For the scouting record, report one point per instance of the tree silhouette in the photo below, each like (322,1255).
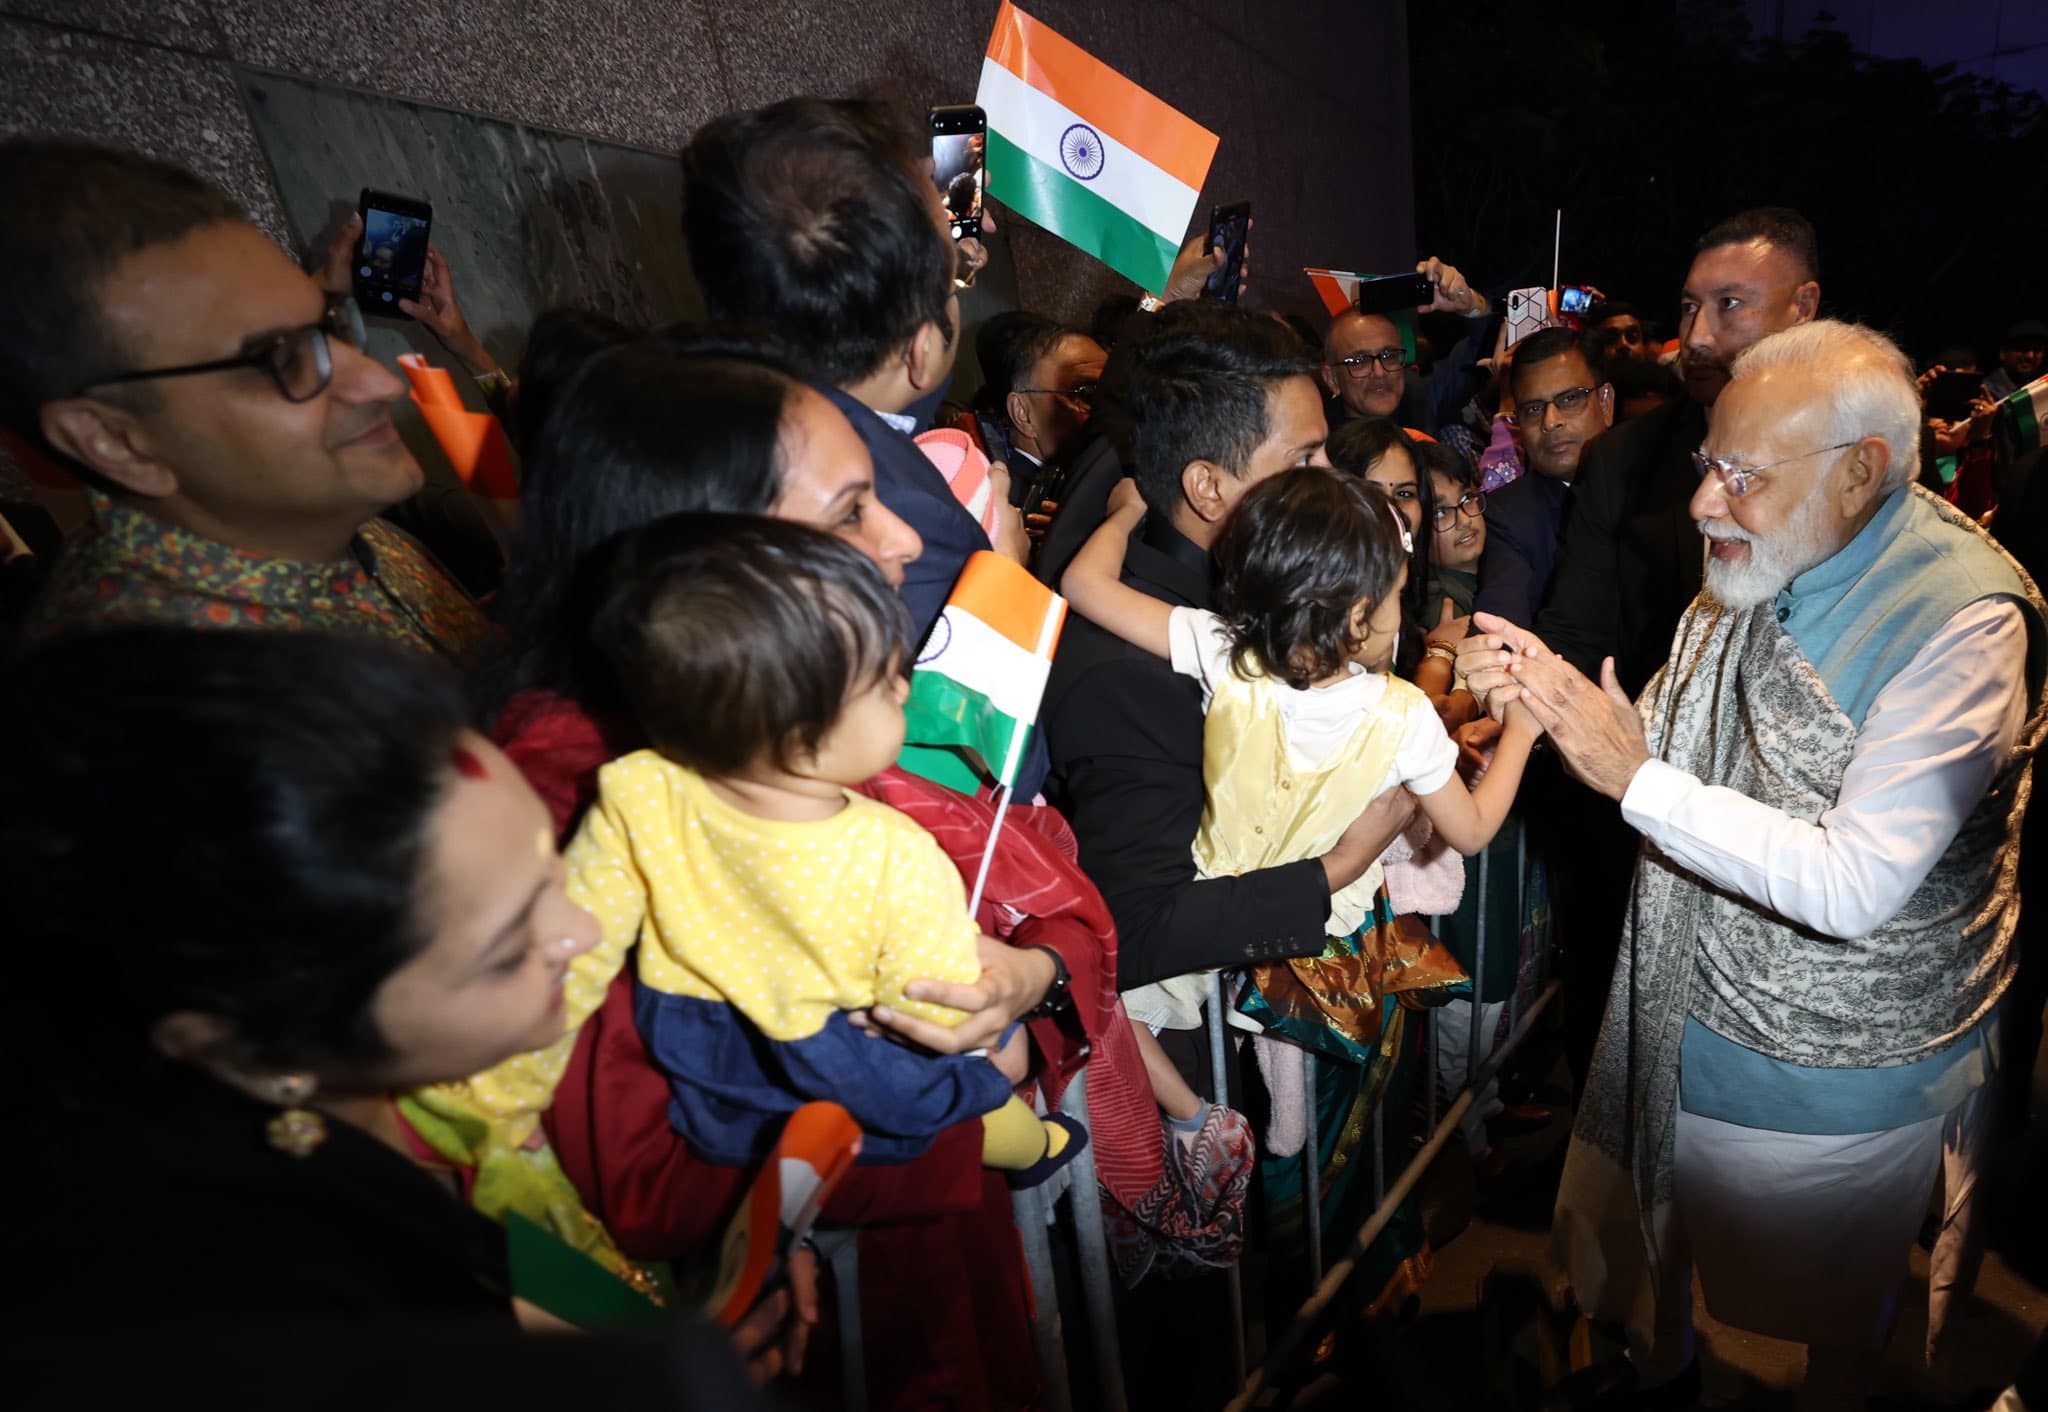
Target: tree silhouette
(1648,122)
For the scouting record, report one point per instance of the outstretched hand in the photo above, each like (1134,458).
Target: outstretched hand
(1596,730)
(1484,657)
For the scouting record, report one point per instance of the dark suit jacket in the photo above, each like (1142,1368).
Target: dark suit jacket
(912,487)
(1083,506)
(1523,521)
(1631,559)
(1126,738)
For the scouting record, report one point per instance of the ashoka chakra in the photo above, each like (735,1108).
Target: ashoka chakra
(1081,151)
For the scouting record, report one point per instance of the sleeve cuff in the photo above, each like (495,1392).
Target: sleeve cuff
(1654,795)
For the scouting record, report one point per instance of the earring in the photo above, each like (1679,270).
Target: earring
(298,1130)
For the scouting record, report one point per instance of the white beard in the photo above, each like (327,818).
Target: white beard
(1771,563)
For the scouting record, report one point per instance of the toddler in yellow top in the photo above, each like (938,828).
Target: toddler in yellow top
(1303,724)
(766,664)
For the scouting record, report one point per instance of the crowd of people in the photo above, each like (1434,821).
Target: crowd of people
(427,926)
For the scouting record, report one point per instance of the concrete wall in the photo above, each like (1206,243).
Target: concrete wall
(1310,98)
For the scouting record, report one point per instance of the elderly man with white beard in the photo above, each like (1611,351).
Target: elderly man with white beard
(1829,774)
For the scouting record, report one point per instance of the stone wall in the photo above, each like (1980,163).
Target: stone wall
(1309,96)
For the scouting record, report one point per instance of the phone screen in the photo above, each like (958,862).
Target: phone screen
(959,168)
(1227,228)
(1948,396)
(1573,300)
(393,259)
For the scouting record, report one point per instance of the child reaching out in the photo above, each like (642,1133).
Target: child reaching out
(1303,725)
(766,663)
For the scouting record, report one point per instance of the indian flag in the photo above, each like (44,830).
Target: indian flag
(1338,289)
(981,675)
(2023,416)
(1081,150)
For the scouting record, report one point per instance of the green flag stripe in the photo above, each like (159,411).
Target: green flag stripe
(1077,215)
(2026,429)
(945,713)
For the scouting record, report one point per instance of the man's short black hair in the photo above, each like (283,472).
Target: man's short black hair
(1008,345)
(1611,309)
(1547,344)
(739,639)
(1781,226)
(1639,377)
(80,210)
(811,216)
(1196,388)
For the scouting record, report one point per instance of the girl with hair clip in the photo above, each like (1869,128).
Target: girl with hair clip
(1304,727)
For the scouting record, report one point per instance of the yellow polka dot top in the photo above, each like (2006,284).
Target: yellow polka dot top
(788,922)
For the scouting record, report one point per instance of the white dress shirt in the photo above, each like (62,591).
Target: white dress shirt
(1930,745)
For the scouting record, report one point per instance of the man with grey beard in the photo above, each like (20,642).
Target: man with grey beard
(1829,770)
(1628,563)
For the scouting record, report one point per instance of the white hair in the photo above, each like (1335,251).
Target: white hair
(1870,386)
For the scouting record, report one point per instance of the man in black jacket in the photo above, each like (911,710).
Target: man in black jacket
(1219,399)
(1562,407)
(1631,558)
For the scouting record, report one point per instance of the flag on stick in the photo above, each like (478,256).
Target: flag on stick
(473,442)
(1078,148)
(981,674)
(2023,416)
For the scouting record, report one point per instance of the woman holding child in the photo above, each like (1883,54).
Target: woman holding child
(688,423)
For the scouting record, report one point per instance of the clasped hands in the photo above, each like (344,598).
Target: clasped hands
(1595,729)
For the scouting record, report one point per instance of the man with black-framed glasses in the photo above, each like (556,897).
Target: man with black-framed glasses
(1561,404)
(1368,371)
(236,445)
(1827,779)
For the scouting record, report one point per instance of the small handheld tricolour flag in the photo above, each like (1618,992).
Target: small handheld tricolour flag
(1078,148)
(474,443)
(1337,288)
(980,677)
(2023,418)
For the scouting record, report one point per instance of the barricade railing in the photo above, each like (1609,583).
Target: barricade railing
(1035,1209)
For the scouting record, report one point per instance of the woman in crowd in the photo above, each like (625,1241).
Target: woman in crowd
(331,892)
(702,422)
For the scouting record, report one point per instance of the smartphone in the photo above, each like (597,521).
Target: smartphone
(1227,227)
(1528,311)
(392,260)
(1391,292)
(1574,299)
(1948,396)
(960,164)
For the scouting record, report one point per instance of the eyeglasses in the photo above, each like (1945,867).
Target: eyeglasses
(1739,480)
(1571,400)
(1391,360)
(1083,392)
(298,360)
(1471,505)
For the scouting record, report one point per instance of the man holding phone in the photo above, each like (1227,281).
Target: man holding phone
(1366,369)
(237,447)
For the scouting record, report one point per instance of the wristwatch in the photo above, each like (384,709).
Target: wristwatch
(1151,303)
(1058,995)
(494,383)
